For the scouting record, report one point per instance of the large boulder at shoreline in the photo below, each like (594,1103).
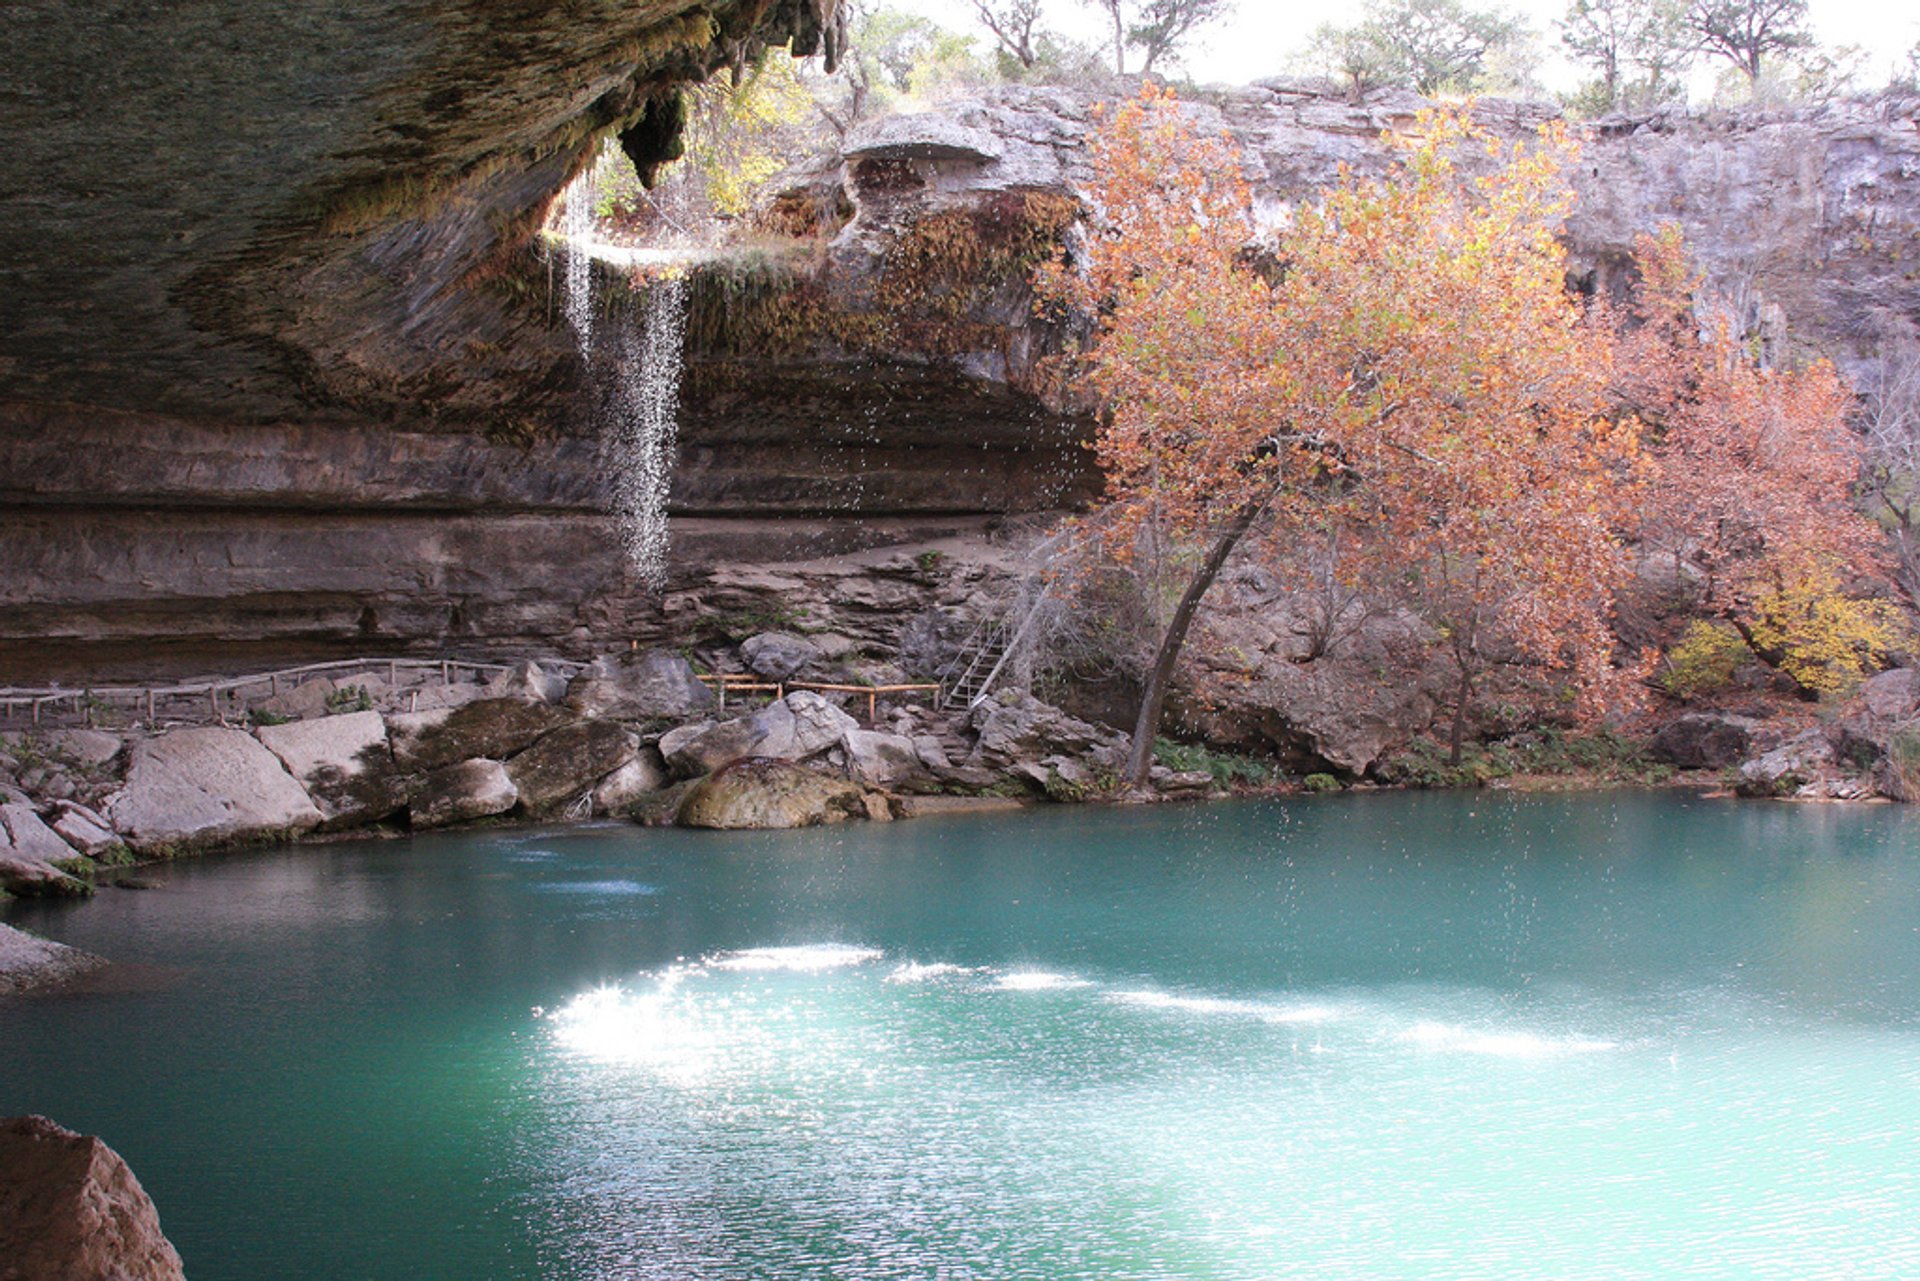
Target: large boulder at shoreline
(28,851)
(28,963)
(771,794)
(343,762)
(800,725)
(653,684)
(881,760)
(1788,768)
(71,1210)
(1018,727)
(85,830)
(490,727)
(462,792)
(195,788)
(1703,740)
(627,786)
(778,655)
(568,762)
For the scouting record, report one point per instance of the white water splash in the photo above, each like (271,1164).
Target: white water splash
(801,959)
(642,426)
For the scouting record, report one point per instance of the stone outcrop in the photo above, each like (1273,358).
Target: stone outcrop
(71,1210)
(793,728)
(1703,740)
(490,727)
(343,762)
(29,850)
(639,686)
(771,794)
(31,964)
(195,788)
(568,762)
(462,792)
(882,760)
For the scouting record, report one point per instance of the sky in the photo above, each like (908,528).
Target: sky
(1258,37)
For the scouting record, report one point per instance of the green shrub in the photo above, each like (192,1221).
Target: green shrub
(1227,768)
(1320,783)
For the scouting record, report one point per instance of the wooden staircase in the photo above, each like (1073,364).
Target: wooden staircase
(966,680)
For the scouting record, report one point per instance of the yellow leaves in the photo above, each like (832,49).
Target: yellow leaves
(1827,639)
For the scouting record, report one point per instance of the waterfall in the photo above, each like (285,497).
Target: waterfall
(576,227)
(642,424)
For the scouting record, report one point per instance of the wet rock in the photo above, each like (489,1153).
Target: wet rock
(343,762)
(1189,784)
(881,760)
(566,763)
(800,725)
(71,1210)
(85,830)
(194,788)
(529,681)
(490,727)
(28,963)
(1703,740)
(770,794)
(28,851)
(621,790)
(778,656)
(462,792)
(1786,769)
(652,684)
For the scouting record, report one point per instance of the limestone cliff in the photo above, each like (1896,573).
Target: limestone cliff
(282,374)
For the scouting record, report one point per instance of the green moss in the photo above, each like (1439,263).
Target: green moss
(1226,768)
(1320,783)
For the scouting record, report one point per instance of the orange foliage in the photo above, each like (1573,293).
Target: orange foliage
(1417,370)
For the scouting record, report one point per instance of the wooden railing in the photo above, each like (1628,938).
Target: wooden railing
(192,700)
(725,683)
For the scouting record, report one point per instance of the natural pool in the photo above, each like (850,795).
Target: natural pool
(1423,1036)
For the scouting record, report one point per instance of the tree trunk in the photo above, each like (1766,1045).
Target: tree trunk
(1457,745)
(1119,41)
(1154,697)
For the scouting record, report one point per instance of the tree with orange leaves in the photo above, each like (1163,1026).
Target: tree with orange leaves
(1404,357)
(1751,490)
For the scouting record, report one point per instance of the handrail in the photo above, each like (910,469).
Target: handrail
(82,698)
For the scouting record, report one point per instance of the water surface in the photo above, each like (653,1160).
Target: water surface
(1421,1036)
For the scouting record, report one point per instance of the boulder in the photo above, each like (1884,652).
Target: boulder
(1787,768)
(798,726)
(490,727)
(1892,696)
(309,698)
(462,792)
(619,791)
(27,962)
(28,851)
(1180,783)
(343,762)
(1703,740)
(195,788)
(71,1210)
(778,655)
(528,681)
(85,830)
(770,794)
(881,760)
(565,763)
(85,747)
(1020,727)
(650,684)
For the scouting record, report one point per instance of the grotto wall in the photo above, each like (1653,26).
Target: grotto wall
(283,372)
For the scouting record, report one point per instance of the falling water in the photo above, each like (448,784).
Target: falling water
(641,422)
(577,227)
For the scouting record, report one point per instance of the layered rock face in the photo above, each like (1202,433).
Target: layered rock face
(314,397)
